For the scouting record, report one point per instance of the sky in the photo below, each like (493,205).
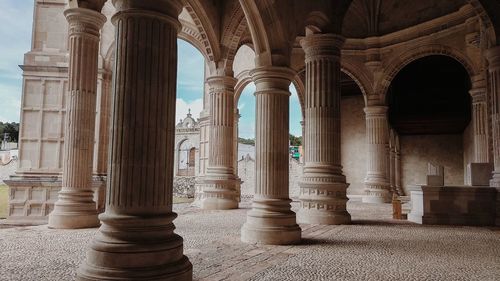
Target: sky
(190,90)
(16,19)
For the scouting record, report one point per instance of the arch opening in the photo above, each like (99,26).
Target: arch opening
(430,113)
(430,96)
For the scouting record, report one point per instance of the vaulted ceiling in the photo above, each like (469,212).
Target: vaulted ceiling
(366,18)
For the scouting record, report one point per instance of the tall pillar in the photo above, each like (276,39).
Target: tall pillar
(323,186)
(397,167)
(136,240)
(392,161)
(493,56)
(271,220)
(220,191)
(377,181)
(102,128)
(75,207)
(480,121)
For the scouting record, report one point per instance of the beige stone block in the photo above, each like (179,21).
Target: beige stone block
(479,173)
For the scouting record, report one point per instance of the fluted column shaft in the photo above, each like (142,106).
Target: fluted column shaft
(136,239)
(75,207)
(493,56)
(271,220)
(220,190)
(323,186)
(377,139)
(102,134)
(480,124)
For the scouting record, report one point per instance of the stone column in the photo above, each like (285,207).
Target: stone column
(323,185)
(102,128)
(377,182)
(392,161)
(480,122)
(136,240)
(220,191)
(397,168)
(235,150)
(271,220)
(75,207)
(493,56)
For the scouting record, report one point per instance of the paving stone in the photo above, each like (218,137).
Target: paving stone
(375,247)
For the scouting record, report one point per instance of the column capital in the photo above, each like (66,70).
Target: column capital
(322,46)
(376,110)
(273,78)
(493,57)
(165,10)
(221,83)
(84,21)
(478,94)
(169,7)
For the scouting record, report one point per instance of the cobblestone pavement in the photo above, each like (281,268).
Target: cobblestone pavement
(373,248)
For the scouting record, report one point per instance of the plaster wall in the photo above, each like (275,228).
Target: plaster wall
(353,143)
(445,150)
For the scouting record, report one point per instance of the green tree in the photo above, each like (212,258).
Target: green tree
(295,141)
(12,129)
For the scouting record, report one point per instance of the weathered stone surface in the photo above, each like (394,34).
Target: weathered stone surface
(184,187)
(452,205)
(367,250)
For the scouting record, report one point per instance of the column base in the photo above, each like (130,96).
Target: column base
(74,209)
(495,180)
(376,195)
(271,222)
(323,217)
(136,248)
(323,200)
(218,193)
(73,220)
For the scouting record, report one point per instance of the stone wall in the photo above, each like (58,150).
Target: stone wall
(417,151)
(184,187)
(354,154)
(246,172)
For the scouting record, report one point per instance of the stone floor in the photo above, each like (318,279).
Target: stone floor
(373,248)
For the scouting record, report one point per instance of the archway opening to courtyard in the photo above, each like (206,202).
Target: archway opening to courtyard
(246,141)
(429,115)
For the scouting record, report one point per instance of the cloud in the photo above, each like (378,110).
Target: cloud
(182,108)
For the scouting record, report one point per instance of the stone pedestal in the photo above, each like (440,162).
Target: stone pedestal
(377,182)
(323,185)
(75,207)
(136,240)
(271,220)
(221,185)
(453,205)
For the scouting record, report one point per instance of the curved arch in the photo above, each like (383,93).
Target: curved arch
(243,80)
(190,34)
(205,28)
(359,77)
(299,83)
(258,33)
(232,36)
(489,12)
(398,63)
